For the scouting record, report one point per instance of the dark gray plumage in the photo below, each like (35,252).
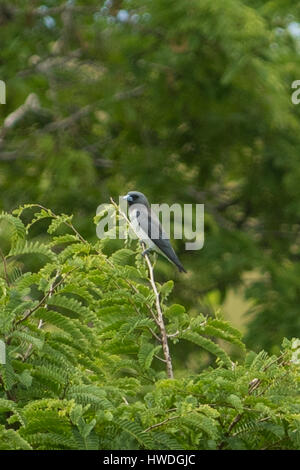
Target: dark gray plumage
(148,227)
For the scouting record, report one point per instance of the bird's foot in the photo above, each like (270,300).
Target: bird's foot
(145,252)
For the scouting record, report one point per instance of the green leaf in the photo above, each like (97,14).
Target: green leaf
(146,354)
(25,378)
(11,406)
(21,248)
(58,221)
(17,225)
(174,310)
(207,344)
(11,440)
(123,257)
(236,402)
(166,288)
(28,338)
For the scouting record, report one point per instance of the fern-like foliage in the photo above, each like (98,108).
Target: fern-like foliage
(85,366)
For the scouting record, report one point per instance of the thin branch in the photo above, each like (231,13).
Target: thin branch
(262,420)
(46,296)
(161,423)
(154,334)
(253,385)
(173,335)
(272,383)
(9,393)
(234,422)
(40,325)
(32,105)
(137,311)
(82,112)
(147,305)
(68,224)
(11,155)
(277,359)
(159,358)
(161,322)
(274,444)
(125,400)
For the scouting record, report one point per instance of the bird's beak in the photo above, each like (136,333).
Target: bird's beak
(128,198)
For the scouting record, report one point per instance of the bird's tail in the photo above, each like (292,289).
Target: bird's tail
(176,261)
(180,267)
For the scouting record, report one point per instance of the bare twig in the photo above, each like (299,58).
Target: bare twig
(160,358)
(262,420)
(161,423)
(253,385)
(40,325)
(163,332)
(31,105)
(277,359)
(86,110)
(173,335)
(147,305)
(234,422)
(274,444)
(125,400)
(154,334)
(46,296)
(68,224)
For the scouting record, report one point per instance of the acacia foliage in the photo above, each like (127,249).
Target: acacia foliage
(82,364)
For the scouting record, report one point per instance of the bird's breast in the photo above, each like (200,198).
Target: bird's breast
(138,222)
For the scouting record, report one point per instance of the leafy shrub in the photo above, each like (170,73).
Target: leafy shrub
(85,357)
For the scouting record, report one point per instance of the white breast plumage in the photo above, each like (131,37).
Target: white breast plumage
(140,233)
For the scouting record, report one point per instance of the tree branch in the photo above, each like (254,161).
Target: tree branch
(161,423)
(82,112)
(46,296)
(51,290)
(163,332)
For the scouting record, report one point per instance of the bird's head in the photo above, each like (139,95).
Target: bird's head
(135,197)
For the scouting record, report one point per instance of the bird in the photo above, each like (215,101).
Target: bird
(148,228)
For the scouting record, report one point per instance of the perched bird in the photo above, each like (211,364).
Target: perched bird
(148,227)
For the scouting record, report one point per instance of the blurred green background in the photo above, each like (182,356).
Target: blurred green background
(187,102)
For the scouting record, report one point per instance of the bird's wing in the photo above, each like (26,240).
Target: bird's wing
(140,222)
(146,223)
(149,224)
